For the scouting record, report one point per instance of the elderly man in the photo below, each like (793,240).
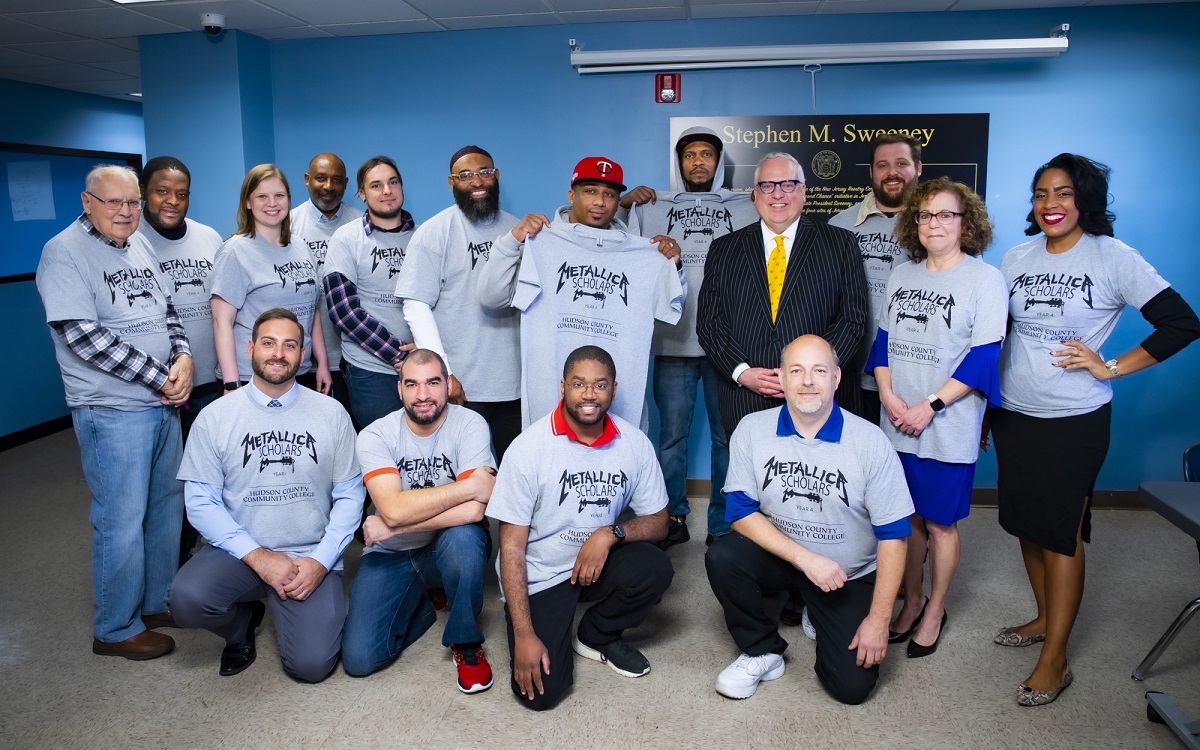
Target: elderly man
(126,366)
(313,223)
(273,484)
(819,505)
(439,284)
(895,168)
(771,281)
(695,212)
(567,481)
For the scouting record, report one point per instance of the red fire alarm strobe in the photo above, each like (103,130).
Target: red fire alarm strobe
(666,88)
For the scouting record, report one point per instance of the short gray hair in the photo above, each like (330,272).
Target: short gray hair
(779,155)
(106,171)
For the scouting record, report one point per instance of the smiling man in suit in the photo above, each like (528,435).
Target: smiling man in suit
(767,283)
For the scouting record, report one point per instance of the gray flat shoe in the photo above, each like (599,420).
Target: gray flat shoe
(1008,637)
(1029,698)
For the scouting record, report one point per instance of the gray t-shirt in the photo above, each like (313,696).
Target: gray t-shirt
(564,490)
(275,467)
(880,255)
(1078,294)
(83,278)
(933,319)
(693,220)
(372,262)
(186,265)
(254,276)
(445,262)
(578,285)
(310,227)
(825,493)
(461,443)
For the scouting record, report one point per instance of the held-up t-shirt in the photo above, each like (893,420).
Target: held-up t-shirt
(372,262)
(579,285)
(564,490)
(933,319)
(461,443)
(693,220)
(255,276)
(1078,294)
(186,265)
(824,493)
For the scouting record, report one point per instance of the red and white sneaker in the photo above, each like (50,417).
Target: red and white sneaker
(474,672)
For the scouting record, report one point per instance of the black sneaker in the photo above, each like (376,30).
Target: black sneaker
(677,532)
(624,659)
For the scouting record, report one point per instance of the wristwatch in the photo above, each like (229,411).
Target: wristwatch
(936,403)
(619,532)
(1112,367)
(232,385)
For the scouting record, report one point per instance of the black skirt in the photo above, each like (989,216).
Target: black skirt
(1047,469)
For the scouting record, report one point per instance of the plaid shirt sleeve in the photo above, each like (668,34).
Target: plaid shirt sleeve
(96,344)
(345,311)
(179,339)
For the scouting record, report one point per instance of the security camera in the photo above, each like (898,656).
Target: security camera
(213,23)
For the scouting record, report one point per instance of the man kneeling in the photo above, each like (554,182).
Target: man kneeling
(429,470)
(565,481)
(816,496)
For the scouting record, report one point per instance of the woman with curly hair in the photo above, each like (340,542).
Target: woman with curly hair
(1068,287)
(935,360)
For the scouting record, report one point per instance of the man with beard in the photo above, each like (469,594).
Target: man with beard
(695,216)
(568,478)
(185,250)
(125,367)
(895,168)
(439,284)
(314,223)
(819,505)
(365,257)
(429,470)
(272,482)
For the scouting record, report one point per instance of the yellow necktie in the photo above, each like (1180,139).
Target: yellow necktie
(776,270)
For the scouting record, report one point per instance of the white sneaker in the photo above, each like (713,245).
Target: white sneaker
(807,626)
(740,679)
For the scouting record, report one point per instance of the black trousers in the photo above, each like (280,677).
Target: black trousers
(504,421)
(739,571)
(634,579)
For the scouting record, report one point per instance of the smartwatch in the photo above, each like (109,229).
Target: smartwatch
(936,403)
(619,532)
(232,385)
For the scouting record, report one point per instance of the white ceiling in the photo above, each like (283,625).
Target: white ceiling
(92,46)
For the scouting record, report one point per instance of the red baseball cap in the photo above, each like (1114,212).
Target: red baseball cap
(599,169)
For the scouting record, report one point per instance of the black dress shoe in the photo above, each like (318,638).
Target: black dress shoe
(916,650)
(894,637)
(238,656)
(677,532)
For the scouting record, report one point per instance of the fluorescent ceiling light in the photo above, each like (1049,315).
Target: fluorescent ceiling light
(624,61)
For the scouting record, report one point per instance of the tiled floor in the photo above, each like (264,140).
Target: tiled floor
(55,694)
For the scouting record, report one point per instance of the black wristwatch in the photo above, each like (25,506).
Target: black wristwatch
(936,403)
(619,532)
(232,385)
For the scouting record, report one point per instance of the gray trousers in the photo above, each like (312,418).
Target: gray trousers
(214,589)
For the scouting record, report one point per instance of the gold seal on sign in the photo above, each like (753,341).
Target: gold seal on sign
(826,165)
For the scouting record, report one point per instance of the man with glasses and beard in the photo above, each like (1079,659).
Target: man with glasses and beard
(364,259)
(272,482)
(429,470)
(895,168)
(568,478)
(439,286)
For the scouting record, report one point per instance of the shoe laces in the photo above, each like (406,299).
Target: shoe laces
(468,655)
(753,664)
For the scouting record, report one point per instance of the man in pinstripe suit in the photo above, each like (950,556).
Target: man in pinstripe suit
(820,288)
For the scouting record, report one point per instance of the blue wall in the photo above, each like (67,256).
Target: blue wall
(33,391)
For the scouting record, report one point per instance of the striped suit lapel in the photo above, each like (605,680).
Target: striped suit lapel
(803,249)
(755,267)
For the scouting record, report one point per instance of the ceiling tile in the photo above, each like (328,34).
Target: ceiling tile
(626,14)
(82,51)
(125,42)
(100,24)
(492,22)
(566,6)
(381,27)
(725,9)
(1010,4)
(28,6)
(239,14)
(324,12)
(440,9)
(13,31)
(834,7)
(131,69)
(294,32)
(11,58)
(69,72)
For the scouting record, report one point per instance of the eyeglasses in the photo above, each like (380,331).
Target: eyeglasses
(467,175)
(115,204)
(769,186)
(580,387)
(943,217)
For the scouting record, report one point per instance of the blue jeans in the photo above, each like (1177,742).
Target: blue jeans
(372,394)
(389,609)
(675,394)
(130,459)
